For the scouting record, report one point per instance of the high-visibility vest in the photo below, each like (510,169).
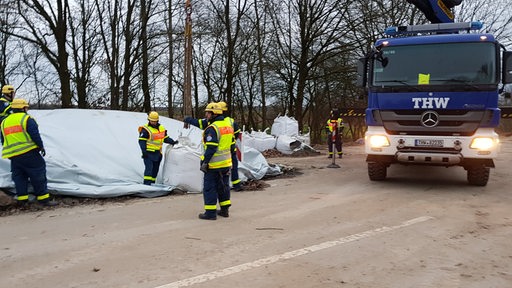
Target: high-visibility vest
(332,123)
(4,113)
(17,141)
(156,137)
(222,157)
(232,122)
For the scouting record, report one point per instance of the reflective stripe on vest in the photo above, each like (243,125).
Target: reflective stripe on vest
(200,122)
(231,122)
(222,157)
(156,138)
(16,139)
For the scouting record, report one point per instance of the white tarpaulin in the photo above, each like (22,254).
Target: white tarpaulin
(95,153)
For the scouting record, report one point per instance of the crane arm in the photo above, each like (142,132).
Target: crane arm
(437,11)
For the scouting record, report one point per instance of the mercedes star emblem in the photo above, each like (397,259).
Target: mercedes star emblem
(429,119)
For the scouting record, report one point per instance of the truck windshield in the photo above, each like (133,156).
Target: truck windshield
(451,64)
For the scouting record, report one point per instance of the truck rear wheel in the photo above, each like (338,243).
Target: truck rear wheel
(478,175)
(377,171)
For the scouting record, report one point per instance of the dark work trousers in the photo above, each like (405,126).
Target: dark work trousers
(215,187)
(151,167)
(337,144)
(30,165)
(234,171)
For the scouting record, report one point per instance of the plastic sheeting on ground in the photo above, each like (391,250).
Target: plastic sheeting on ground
(95,153)
(255,166)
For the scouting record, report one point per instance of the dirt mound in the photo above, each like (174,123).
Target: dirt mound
(306,152)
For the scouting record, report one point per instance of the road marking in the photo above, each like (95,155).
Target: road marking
(292,254)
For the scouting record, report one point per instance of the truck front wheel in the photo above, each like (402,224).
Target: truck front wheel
(478,175)
(377,171)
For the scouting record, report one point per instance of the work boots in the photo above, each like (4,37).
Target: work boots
(22,204)
(224,212)
(47,203)
(205,216)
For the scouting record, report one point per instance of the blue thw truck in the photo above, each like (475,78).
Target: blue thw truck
(433,98)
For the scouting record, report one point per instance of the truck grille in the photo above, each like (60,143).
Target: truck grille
(451,122)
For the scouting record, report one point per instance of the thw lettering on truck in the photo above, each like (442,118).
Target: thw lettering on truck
(430,102)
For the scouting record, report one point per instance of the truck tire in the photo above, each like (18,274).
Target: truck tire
(377,171)
(478,175)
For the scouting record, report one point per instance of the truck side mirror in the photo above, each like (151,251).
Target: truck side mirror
(507,67)
(362,72)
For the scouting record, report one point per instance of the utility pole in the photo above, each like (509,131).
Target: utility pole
(187,85)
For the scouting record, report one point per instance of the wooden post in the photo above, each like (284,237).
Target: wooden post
(187,85)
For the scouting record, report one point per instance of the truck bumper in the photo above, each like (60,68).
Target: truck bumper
(431,150)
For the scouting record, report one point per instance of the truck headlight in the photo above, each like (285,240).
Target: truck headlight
(482,143)
(378,141)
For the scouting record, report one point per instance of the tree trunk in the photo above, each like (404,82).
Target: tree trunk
(145,61)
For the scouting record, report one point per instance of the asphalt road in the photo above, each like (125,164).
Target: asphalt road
(422,227)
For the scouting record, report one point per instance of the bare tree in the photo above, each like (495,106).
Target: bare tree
(262,57)
(120,32)
(208,52)
(44,24)
(231,33)
(109,14)
(131,51)
(309,38)
(249,85)
(169,26)
(8,19)
(40,80)
(84,47)
(495,15)
(145,14)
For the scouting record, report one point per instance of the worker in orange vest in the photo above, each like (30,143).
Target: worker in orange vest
(152,136)
(23,146)
(334,131)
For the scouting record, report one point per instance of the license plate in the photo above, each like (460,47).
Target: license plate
(428,143)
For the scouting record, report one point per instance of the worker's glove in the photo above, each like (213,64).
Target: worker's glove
(144,155)
(174,142)
(204,167)
(42,152)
